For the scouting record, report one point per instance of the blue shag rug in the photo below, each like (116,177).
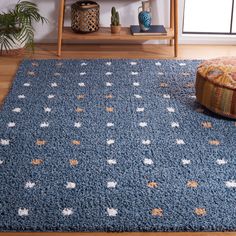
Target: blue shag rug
(113,145)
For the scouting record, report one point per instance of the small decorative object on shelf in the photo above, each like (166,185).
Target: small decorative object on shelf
(144,16)
(16,28)
(85,17)
(115,21)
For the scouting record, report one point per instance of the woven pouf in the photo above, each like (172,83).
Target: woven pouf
(216,86)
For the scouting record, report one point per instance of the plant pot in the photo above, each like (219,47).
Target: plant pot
(115,29)
(13,52)
(17,49)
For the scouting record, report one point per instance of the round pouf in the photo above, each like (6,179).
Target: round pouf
(216,86)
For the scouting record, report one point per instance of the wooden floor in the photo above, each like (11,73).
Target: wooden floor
(9,65)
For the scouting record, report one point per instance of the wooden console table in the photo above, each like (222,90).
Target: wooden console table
(65,33)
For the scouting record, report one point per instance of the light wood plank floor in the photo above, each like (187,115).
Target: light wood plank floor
(9,65)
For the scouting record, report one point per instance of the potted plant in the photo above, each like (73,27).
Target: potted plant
(115,21)
(16,29)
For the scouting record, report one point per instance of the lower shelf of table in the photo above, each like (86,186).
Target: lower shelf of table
(104,33)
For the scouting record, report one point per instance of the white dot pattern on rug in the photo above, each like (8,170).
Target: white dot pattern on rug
(230,184)
(180,141)
(54,84)
(137,96)
(170,109)
(109,145)
(148,161)
(110,141)
(146,142)
(11,124)
(22,96)
(175,125)
(167,96)
(186,161)
(143,124)
(111,162)
(17,110)
(111,184)
(70,185)
(140,109)
(82,84)
(112,212)
(108,84)
(47,109)
(44,125)
(221,161)
(77,124)
(4,142)
(67,211)
(50,96)
(29,184)
(23,212)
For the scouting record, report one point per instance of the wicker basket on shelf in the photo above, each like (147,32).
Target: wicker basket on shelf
(85,17)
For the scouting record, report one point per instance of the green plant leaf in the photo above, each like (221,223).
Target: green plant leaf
(16,24)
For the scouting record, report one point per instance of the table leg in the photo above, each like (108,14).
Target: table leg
(60,26)
(176,26)
(171,18)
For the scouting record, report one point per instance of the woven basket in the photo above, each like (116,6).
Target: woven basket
(85,17)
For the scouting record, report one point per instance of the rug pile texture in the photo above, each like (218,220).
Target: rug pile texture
(113,145)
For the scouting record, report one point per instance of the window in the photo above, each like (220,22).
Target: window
(210,17)
(234,19)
